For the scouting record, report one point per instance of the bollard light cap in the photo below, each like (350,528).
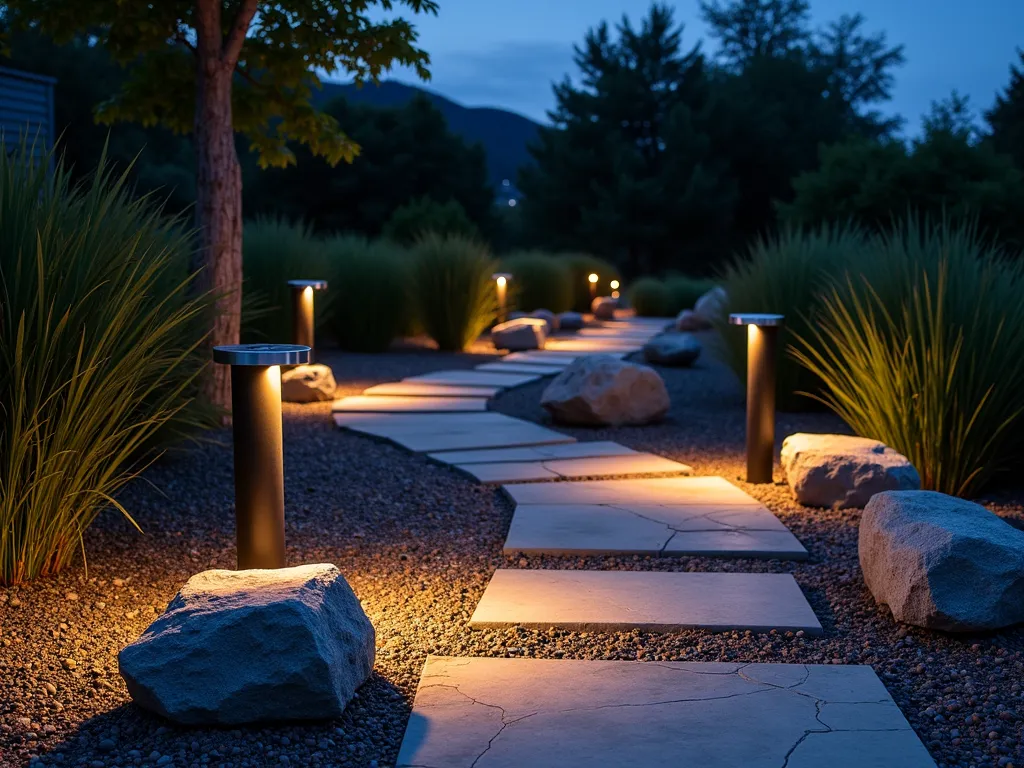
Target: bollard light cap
(756,319)
(261,354)
(316,285)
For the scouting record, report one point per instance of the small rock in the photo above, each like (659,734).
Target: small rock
(602,390)
(69,663)
(603,307)
(713,306)
(520,334)
(673,349)
(50,688)
(307,384)
(548,317)
(106,745)
(688,320)
(71,596)
(570,321)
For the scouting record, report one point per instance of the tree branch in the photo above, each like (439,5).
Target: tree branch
(236,38)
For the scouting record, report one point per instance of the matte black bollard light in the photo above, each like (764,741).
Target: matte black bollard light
(259,461)
(762,351)
(302,311)
(501,281)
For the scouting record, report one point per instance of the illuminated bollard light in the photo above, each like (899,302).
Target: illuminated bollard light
(615,289)
(501,280)
(259,461)
(762,352)
(302,311)
(592,279)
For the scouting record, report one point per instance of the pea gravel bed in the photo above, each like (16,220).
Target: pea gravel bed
(418,543)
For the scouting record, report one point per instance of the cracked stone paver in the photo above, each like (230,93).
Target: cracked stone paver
(423,389)
(408,404)
(620,601)
(592,529)
(470,378)
(511,713)
(567,469)
(535,453)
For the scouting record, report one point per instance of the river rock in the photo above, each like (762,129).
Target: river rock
(570,321)
(603,307)
(675,349)
(713,306)
(601,390)
(839,471)
(941,562)
(307,384)
(548,317)
(520,334)
(248,646)
(688,320)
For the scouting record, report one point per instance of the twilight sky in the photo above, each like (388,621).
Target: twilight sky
(506,53)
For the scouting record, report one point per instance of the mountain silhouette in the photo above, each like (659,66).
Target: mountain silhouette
(504,135)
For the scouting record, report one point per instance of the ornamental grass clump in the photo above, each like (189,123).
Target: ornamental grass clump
(539,281)
(786,274)
(920,347)
(685,290)
(455,294)
(99,352)
(650,297)
(370,302)
(581,266)
(274,251)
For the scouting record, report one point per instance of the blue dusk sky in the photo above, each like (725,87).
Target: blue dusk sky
(506,53)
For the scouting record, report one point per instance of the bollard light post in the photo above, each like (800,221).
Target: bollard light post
(302,311)
(592,279)
(615,289)
(762,353)
(258,450)
(501,280)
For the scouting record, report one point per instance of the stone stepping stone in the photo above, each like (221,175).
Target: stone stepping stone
(475,378)
(540,356)
(525,434)
(567,469)
(402,404)
(621,601)
(592,529)
(535,453)
(659,516)
(593,346)
(509,713)
(514,367)
(388,424)
(623,334)
(418,389)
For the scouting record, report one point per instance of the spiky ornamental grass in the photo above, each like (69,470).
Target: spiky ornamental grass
(455,294)
(539,281)
(370,301)
(99,351)
(922,349)
(786,274)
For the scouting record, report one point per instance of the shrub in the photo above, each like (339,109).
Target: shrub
(539,281)
(923,351)
(684,291)
(369,290)
(785,274)
(274,251)
(581,265)
(423,215)
(455,295)
(99,352)
(650,297)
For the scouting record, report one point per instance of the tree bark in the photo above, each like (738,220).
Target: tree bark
(218,192)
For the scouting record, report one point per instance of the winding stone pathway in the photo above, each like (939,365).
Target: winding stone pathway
(513,713)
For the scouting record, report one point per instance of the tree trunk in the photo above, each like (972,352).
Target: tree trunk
(218,212)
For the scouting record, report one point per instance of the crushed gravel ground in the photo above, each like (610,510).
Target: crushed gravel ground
(418,543)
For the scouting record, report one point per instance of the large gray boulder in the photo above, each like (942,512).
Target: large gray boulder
(601,390)
(674,349)
(688,320)
(713,306)
(941,562)
(603,307)
(520,334)
(307,384)
(570,321)
(245,646)
(840,471)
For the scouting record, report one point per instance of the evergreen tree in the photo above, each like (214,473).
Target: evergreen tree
(1006,118)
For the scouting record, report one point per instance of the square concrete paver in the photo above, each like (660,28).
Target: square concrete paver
(476,378)
(565,469)
(676,491)
(592,346)
(404,404)
(535,453)
(620,601)
(539,356)
(545,713)
(484,437)
(388,424)
(422,389)
(590,529)
(514,367)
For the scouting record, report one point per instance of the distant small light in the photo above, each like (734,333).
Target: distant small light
(504,182)
(615,294)
(511,203)
(593,277)
(615,285)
